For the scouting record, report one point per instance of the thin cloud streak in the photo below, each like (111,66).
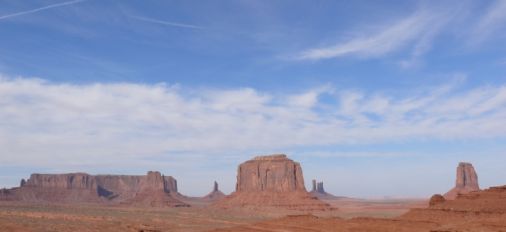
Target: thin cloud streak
(166,23)
(419,29)
(490,23)
(40,9)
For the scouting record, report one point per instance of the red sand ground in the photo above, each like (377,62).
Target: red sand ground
(477,211)
(26,217)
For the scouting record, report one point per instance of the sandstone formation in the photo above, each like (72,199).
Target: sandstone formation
(467,181)
(272,181)
(436,199)
(152,189)
(214,195)
(274,173)
(318,191)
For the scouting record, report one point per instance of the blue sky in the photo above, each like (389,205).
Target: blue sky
(375,98)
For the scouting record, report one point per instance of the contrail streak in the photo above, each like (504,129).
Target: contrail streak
(40,9)
(172,24)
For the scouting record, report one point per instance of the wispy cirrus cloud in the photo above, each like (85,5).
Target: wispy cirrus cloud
(166,23)
(491,22)
(417,30)
(40,9)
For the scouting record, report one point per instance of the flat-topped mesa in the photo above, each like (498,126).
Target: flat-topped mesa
(152,189)
(156,181)
(281,157)
(272,181)
(467,181)
(274,173)
(66,181)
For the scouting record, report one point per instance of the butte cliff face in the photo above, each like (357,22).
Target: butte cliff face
(275,173)
(272,181)
(152,189)
(467,181)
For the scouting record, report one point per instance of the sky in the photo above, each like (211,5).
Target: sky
(374,98)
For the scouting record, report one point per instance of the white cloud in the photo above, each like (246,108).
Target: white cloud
(40,9)
(491,22)
(43,123)
(166,23)
(417,30)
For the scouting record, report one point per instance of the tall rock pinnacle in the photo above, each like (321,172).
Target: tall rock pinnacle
(467,181)
(215,189)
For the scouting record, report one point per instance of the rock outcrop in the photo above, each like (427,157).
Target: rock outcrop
(318,187)
(480,210)
(272,181)
(475,211)
(270,173)
(467,181)
(214,195)
(436,199)
(152,189)
(318,191)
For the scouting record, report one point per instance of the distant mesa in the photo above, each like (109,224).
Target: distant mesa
(467,181)
(272,181)
(151,190)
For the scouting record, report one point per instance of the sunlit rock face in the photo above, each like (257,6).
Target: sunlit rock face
(272,181)
(274,173)
(152,189)
(467,181)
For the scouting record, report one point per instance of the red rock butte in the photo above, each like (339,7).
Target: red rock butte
(272,181)
(466,182)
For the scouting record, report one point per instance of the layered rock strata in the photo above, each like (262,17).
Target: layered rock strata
(152,189)
(272,181)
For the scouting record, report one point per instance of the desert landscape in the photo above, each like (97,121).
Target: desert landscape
(252,115)
(269,196)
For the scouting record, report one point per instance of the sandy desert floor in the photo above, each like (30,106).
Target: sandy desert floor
(26,217)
